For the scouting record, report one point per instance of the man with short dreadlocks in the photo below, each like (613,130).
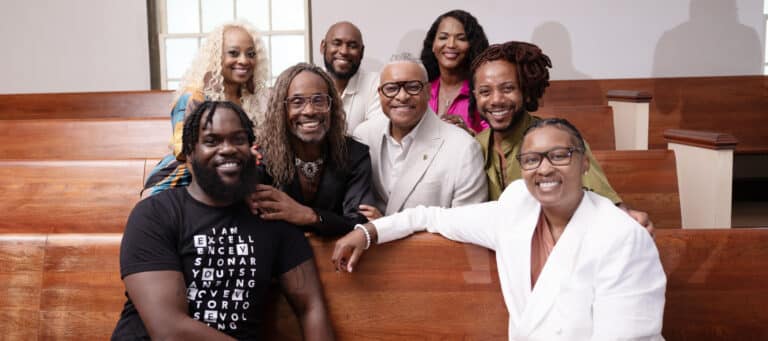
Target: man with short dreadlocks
(508,81)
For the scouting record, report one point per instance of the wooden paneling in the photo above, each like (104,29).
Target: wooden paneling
(646,180)
(68,196)
(595,123)
(716,284)
(93,139)
(84,105)
(21,260)
(737,105)
(82,293)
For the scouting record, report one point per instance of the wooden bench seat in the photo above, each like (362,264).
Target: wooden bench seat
(85,139)
(87,105)
(63,286)
(68,196)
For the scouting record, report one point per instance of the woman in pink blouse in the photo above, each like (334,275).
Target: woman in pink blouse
(453,41)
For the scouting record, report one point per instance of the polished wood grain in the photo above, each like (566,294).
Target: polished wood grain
(716,284)
(736,105)
(420,288)
(595,123)
(84,105)
(646,180)
(629,96)
(704,139)
(21,259)
(68,196)
(82,294)
(92,139)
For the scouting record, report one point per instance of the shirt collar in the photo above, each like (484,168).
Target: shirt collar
(408,138)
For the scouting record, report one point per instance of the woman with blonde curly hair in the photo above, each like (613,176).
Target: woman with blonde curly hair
(320,175)
(231,65)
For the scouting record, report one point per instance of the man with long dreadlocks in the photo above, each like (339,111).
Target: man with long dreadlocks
(508,81)
(197,265)
(320,175)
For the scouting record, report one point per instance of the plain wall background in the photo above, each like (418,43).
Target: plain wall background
(73,45)
(584,39)
(102,45)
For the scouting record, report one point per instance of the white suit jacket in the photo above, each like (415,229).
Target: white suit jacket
(361,99)
(602,281)
(444,166)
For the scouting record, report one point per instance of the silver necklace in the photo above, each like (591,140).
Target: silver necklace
(309,168)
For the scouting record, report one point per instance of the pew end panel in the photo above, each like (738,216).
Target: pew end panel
(706,161)
(630,118)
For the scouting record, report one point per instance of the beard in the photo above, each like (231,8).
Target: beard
(210,182)
(340,75)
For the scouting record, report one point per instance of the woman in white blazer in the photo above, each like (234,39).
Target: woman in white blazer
(572,265)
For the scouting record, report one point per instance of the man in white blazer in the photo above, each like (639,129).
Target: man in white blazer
(418,159)
(342,50)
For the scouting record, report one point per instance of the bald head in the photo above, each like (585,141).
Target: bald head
(342,50)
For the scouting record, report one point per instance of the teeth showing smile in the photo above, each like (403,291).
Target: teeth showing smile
(309,124)
(498,113)
(229,165)
(547,185)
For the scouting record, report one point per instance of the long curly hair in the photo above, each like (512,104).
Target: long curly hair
(532,70)
(274,137)
(478,42)
(204,75)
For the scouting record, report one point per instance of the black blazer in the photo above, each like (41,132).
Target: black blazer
(340,192)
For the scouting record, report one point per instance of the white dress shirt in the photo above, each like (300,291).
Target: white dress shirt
(393,155)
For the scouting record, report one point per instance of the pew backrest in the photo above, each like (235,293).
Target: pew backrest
(67,286)
(87,105)
(595,122)
(646,180)
(85,139)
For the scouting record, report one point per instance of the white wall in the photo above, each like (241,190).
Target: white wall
(73,45)
(585,39)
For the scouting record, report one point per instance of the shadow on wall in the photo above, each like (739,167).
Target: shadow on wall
(712,42)
(410,42)
(555,41)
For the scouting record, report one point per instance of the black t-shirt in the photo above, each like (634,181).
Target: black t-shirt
(228,257)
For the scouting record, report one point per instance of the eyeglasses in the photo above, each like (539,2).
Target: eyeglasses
(319,102)
(560,156)
(391,89)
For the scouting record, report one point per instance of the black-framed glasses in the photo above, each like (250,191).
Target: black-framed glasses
(319,102)
(560,156)
(391,89)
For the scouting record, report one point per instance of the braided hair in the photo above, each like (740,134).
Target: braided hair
(559,123)
(532,70)
(192,124)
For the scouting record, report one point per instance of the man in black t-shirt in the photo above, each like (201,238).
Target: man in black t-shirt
(197,264)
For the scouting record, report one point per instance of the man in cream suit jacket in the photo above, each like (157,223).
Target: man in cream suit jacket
(342,50)
(418,159)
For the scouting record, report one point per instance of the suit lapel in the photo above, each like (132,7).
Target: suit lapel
(425,146)
(558,268)
(377,138)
